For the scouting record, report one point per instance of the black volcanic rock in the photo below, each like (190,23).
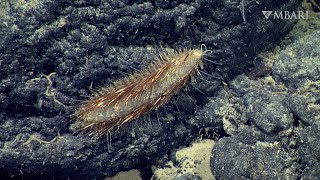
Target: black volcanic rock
(53,53)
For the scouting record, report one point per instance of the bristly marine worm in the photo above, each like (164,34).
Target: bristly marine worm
(129,98)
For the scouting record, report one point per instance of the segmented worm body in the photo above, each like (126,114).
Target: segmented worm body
(130,97)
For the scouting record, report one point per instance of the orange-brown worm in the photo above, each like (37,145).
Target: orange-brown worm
(130,97)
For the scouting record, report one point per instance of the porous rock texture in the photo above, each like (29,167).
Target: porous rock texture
(273,123)
(54,52)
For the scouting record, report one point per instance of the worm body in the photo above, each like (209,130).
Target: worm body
(130,97)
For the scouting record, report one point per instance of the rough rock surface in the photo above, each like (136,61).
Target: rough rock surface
(273,122)
(54,52)
(188,163)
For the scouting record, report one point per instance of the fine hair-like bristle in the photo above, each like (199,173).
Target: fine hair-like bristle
(130,97)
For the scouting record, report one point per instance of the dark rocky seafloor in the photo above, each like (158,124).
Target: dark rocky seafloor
(54,53)
(273,122)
